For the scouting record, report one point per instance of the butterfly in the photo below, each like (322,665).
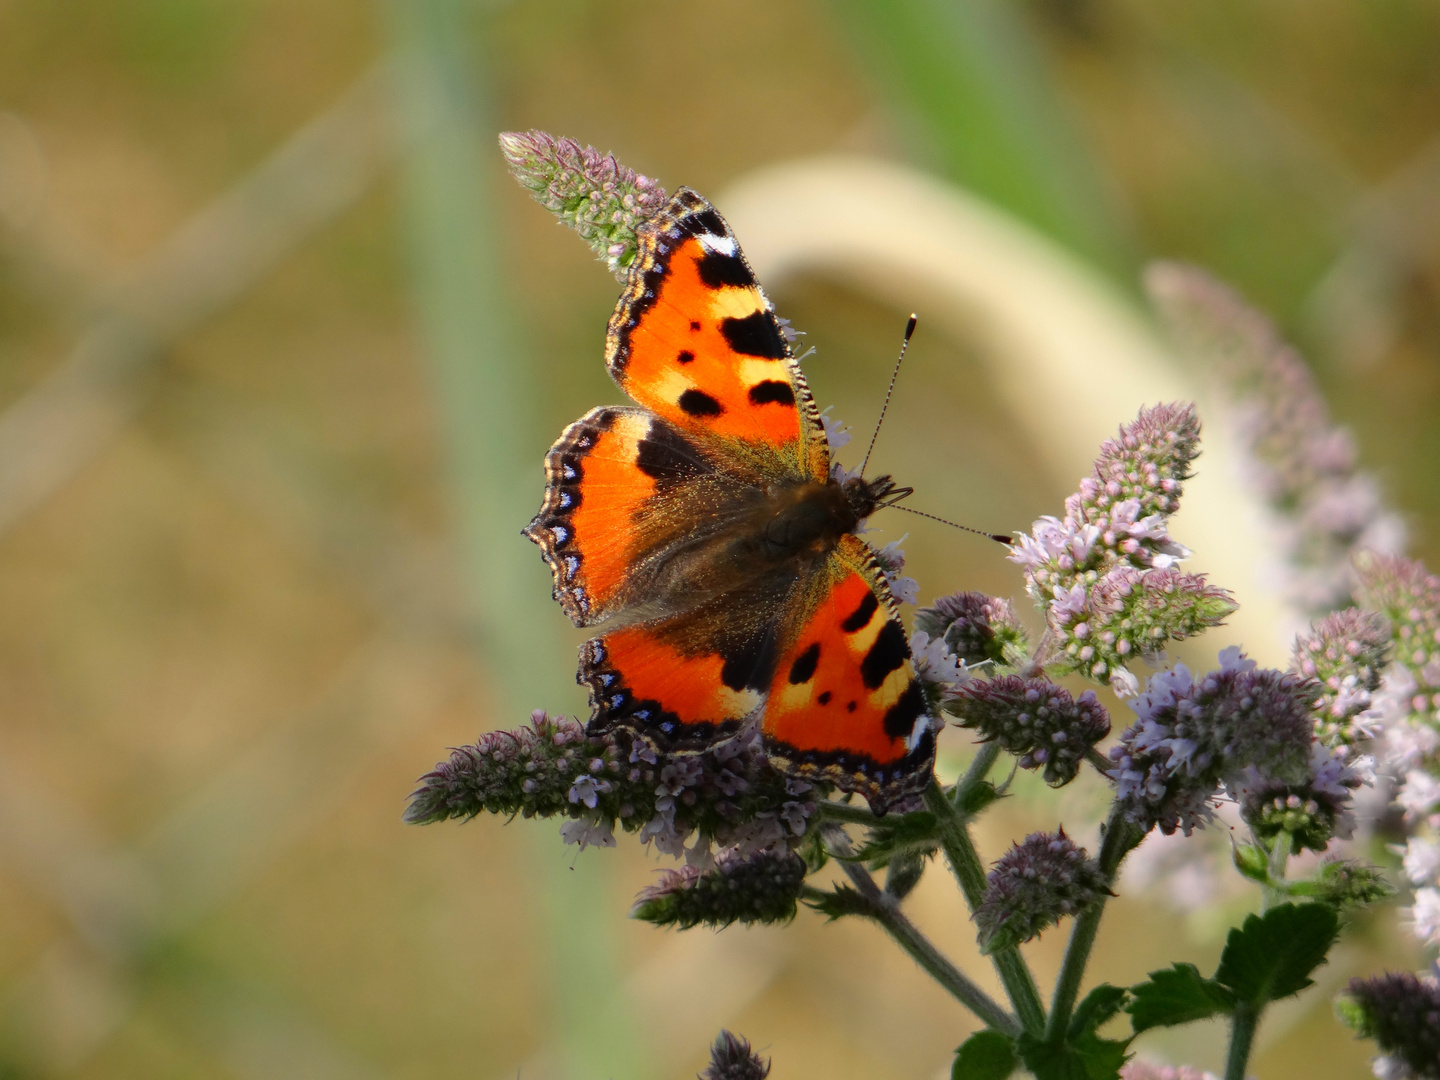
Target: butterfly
(702,532)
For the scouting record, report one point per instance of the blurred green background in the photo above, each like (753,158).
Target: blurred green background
(281,349)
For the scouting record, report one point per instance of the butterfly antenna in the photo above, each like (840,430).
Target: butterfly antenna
(999,538)
(909,330)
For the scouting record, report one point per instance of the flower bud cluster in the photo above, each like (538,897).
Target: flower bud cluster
(1302,463)
(1090,572)
(1311,811)
(731,1058)
(1402,1014)
(589,191)
(1033,886)
(1033,719)
(1247,729)
(975,627)
(728,794)
(1346,653)
(761,887)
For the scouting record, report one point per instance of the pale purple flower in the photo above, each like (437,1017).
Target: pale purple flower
(1421,860)
(1424,915)
(589,191)
(1034,719)
(837,432)
(588,833)
(975,627)
(1033,886)
(935,664)
(1144,1070)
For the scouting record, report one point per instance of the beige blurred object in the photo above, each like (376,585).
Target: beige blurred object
(1070,356)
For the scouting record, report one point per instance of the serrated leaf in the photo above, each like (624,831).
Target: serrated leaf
(1087,1058)
(916,833)
(986,1055)
(1099,1006)
(1176,995)
(840,901)
(1271,956)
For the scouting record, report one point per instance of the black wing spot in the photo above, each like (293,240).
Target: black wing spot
(900,718)
(665,457)
(888,653)
(694,324)
(850,706)
(860,617)
(803,669)
(708,221)
(699,403)
(772,391)
(685,356)
(754,335)
(718,271)
(824,697)
(750,665)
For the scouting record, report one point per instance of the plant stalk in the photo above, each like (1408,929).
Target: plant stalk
(1274,893)
(1113,849)
(885,911)
(969,871)
(1243,1022)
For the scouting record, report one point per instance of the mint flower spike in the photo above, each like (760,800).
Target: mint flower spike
(975,628)
(729,795)
(1346,653)
(1302,462)
(731,1058)
(1105,575)
(1407,594)
(1034,719)
(1033,886)
(1401,1012)
(589,191)
(1246,729)
(763,887)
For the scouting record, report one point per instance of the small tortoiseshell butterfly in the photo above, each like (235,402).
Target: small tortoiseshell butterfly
(702,529)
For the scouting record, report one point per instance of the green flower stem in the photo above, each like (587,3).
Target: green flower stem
(1113,849)
(970,873)
(975,775)
(885,911)
(1274,892)
(1243,1022)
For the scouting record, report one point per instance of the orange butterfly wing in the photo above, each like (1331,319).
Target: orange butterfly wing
(844,705)
(695,339)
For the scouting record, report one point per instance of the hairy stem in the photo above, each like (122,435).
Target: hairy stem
(885,910)
(1113,848)
(845,812)
(969,871)
(1243,1022)
(1274,892)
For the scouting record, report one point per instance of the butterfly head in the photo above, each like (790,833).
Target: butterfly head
(867,496)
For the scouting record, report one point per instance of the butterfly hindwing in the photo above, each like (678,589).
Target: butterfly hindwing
(844,704)
(689,680)
(694,338)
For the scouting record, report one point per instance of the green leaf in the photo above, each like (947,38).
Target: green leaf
(838,902)
(1099,1006)
(1271,956)
(916,834)
(978,797)
(986,1055)
(1252,862)
(1177,995)
(1086,1058)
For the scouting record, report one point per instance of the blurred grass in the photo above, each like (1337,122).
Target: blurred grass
(231,641)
